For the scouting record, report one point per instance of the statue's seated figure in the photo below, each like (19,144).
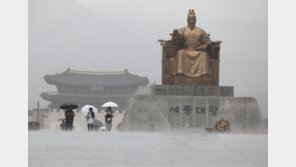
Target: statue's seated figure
(190,58)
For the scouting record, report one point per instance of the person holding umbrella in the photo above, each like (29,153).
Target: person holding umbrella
(90,117)
(69,114)
(108,118)
(109,114)
(90,112)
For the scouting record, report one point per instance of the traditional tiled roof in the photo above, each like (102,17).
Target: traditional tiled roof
(61,98)
(89,78)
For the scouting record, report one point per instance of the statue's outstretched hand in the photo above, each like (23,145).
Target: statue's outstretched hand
(175,33)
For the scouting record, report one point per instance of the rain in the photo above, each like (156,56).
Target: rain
(88,38)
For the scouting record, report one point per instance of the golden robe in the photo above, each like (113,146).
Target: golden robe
(192,59)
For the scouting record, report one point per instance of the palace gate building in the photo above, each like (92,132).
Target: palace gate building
(93,88)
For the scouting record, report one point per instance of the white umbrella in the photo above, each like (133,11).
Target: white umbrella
(110,104)
(85,109)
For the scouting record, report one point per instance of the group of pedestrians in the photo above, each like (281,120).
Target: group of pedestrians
(90,119)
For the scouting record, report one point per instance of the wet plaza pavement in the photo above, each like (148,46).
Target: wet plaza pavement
(116,149)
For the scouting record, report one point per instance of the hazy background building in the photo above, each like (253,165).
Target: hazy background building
(91,35)
(92,88)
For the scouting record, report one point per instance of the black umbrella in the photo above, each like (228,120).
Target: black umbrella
(68,106)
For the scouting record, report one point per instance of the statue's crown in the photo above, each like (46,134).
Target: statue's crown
(191,13)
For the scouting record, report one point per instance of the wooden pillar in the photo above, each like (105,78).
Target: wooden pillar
(38,111)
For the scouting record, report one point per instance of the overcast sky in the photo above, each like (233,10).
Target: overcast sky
(111,35)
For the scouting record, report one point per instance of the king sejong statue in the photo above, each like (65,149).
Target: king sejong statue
(192,58)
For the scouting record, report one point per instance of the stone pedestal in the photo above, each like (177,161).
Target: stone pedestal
(185,80)
(181,90)
(166,112)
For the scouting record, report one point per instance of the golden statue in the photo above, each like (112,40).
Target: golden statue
(194,57)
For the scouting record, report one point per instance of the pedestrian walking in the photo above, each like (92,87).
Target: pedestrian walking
(108,118)
(69,114)
(90,117)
